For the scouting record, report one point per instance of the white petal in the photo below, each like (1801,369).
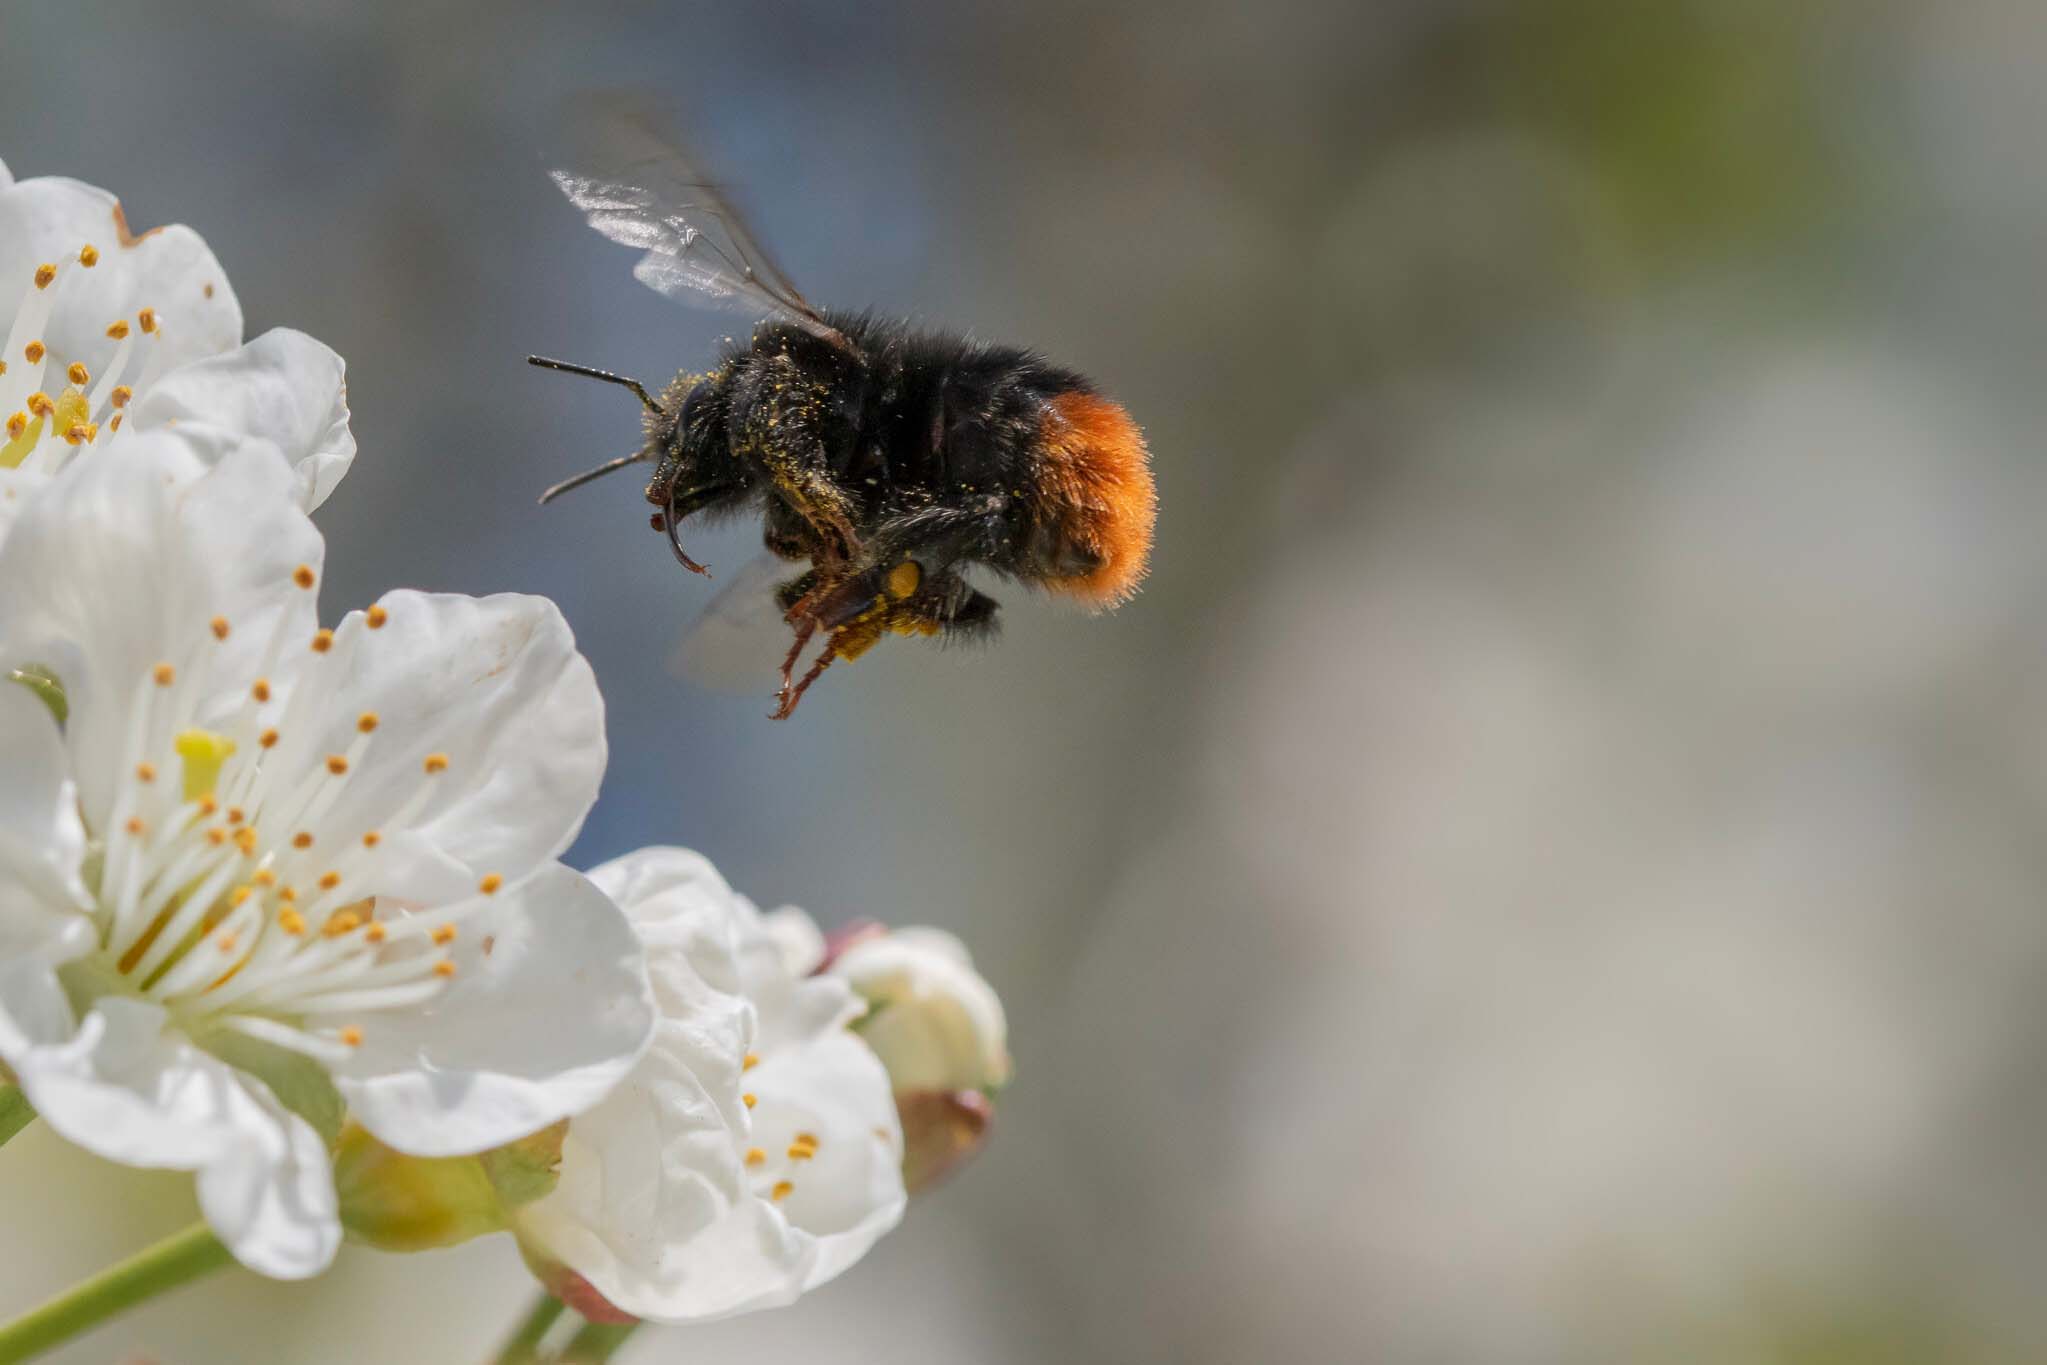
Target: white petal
(683,907)
(122,562)
(168,269)
(17,486)
(41,840)
(273,1203)
(681,910)
(129,1090)
(797,936)
(5,178)
(851,1192)
(653,1210)
(548,1010)
(496,685)
(284,387)
(646,1212)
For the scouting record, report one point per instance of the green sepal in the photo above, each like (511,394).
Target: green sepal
(528,1169)
(41,681)
(397,1202)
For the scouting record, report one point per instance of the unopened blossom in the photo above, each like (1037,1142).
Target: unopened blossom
(938,1028)
(104,331)
(753,1154)
(264,869)
(936,1024)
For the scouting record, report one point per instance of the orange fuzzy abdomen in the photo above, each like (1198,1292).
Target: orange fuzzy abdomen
(1097,472)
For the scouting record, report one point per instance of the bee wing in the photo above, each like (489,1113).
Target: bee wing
(738,641)
(630,176)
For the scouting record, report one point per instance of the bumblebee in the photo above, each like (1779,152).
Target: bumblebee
(886,460)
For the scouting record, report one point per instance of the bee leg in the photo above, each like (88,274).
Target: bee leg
(789,696)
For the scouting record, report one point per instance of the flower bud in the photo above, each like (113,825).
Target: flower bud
(935,1024)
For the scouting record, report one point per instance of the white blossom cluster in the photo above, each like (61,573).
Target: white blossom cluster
(272,892)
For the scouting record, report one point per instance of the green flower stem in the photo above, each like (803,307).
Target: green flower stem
(595,1343)
(16,1113)
(176,1260)
(523,1346)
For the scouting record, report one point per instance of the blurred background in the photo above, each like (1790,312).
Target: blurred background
(1551,869)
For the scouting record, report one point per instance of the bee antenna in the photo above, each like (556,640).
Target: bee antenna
(578,480)
(607,376)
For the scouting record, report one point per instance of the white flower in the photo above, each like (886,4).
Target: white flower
(753,1154)
(106,331)
(933,1021)
(262,869)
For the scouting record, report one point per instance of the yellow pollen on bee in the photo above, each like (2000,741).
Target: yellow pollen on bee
(342,922)
(291,921)
(78,374)
(146,319)
(121,395)
(260,689)
(749,1099)
(245,840)
(351,1036)
(135,825)
(145,772)
(376,616)
(118,329)
(303,839)
(219,627)
(17,424)
(444,969)
(444,935)
(268,739)
(323,640)
(904,578)
(265,878)
(164,674)
(45,273)
(783,1189)
(436,763)
(337,764)
(303,575)
(751,1060)
(34,351)
(39,403)
(88,255)
(329,880)
(371,839)
(756,1157)
(375,933)
(490,884)
(366,722)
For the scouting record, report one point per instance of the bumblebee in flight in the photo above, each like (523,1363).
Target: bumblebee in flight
(884,460)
